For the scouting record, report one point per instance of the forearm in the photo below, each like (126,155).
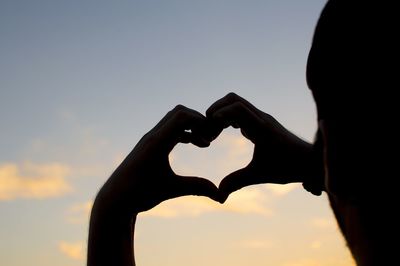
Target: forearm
(111,235)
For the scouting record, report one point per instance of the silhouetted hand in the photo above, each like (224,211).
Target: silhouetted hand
(279,156)
(143,180)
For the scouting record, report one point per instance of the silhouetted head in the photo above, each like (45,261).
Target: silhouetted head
(349,73)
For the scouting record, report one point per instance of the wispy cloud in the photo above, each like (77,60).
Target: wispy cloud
(33,181)
(249,200)
(318,262)
(246,201)
(79,212)
(316,244)
(281,190)
(255,244)
(323,223)
(88,153)
(75,250)
(182,207)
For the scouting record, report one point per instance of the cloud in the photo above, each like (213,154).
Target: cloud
(249,200)
(79,212)
(89,154)
(281,190)
(184,206)
(317,262)
(323,223)
(33,181)
(304,262)
(316,244)
(246,201)
(254,244)
(75,251)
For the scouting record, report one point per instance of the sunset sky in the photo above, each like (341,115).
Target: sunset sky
(82,81)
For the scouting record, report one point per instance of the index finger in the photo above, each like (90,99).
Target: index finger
(181,125)
(227,100)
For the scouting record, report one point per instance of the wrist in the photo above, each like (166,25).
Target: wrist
(110,237)
(108,208)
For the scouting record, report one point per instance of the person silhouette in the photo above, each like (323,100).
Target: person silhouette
(351,158)
(352,155)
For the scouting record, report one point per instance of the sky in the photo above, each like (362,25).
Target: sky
(82,81)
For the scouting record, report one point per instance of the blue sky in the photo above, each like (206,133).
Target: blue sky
(82,81)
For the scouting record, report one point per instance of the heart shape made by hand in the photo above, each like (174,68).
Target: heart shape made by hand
(226,154)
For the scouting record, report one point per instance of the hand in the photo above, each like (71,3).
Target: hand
(145,179)
(279,156)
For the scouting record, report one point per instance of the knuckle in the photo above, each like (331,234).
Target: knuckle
(269,118)
(232,96)
(179,107)
(181,114)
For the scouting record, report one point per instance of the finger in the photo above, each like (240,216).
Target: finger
(199,141)
(182,121)
(181,118)
(189,137)
(240,116)
(190,185)
(177,110)
(227,100)
(168,116)
(237,180)
(209,130)
(185,137)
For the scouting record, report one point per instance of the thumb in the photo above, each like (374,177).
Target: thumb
(191,185)
(237,180)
